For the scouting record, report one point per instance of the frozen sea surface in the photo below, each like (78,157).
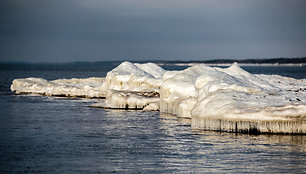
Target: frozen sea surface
(40,134)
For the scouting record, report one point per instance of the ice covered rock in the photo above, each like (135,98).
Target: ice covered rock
(89,87)
(134,77)
(129,100)
(133,86)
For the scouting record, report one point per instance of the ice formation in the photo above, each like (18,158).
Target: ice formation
(132,100)
(219,99)
(178,86)
(89,87)
(133,86)
(128,86)
(134,77)
(222,99)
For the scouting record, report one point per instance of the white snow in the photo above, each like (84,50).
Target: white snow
(89,87)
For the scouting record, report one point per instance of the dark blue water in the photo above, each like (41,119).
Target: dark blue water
(40,134)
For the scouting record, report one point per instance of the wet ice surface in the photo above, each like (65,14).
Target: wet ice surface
(59,135)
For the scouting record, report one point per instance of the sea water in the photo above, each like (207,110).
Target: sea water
(40,134)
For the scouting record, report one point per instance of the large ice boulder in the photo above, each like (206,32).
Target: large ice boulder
(134,77)
(133,86)
(178,86)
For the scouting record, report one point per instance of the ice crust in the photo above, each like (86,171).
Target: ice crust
(222,99)
(89,87)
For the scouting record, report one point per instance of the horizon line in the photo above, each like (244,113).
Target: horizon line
(157,60)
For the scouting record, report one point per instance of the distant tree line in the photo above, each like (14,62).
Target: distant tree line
(246,61)
(301,60)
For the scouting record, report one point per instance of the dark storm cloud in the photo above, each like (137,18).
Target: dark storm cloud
(92,30)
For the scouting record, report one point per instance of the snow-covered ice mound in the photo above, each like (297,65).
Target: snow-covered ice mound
(178,86)
(134,77)
(217,99)
(90,87)
(197,82)
(133,86)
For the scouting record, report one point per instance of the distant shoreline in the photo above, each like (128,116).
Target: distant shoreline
(216,62)
(229,64)
(246,62)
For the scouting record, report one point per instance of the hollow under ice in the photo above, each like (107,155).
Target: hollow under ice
(223,99)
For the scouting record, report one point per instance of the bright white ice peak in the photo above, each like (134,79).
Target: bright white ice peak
(134,77)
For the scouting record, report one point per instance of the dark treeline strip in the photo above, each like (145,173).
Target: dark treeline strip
(245,61)
(301,60)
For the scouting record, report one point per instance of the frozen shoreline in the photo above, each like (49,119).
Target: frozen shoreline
(89,87)
(219,99)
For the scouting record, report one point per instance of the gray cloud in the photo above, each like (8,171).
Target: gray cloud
(94,30)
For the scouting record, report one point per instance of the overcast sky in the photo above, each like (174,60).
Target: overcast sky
(102,30)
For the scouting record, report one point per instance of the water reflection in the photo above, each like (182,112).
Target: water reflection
(61,135)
